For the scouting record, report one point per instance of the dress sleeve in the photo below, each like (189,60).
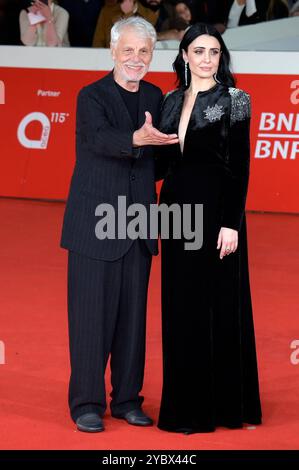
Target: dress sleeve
(28,37)
(61,25)
(236,182)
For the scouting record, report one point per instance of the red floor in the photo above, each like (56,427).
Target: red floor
(33,327)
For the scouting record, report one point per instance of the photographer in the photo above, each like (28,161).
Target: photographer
(44,24)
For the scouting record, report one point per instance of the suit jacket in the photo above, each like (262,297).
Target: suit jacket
(107,166)
(280,11)
(260,15)
(210,11)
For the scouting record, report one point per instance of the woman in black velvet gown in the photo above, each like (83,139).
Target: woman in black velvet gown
(210,373)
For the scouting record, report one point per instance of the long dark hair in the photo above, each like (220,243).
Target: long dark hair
(224,74)
(277,9)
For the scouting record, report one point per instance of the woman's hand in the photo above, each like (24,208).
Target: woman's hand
(227,241)
(44,9)
(33,9)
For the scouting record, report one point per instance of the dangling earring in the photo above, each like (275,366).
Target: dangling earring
(186,74)
(215,78)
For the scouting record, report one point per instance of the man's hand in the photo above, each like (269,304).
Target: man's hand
(227,241)
(127,6)
(149,135)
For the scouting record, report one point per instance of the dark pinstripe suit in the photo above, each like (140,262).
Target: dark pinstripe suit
(107,279)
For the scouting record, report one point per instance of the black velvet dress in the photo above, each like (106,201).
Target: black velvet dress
(210,373)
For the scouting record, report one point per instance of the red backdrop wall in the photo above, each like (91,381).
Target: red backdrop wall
(37,134)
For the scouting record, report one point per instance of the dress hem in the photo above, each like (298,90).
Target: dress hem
(209,429)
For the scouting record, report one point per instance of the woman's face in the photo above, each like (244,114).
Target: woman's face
(203,56)
(183,11)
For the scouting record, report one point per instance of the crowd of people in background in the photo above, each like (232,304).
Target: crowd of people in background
(87,23)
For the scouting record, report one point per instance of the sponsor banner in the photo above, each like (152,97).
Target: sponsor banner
(274,142)
(37,132)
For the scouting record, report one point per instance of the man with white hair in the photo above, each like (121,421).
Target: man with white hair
(108,278)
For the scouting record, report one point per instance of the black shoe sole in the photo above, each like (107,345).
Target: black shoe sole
(84,429)
(134,424)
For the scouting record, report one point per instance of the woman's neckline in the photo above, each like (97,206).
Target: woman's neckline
(203,92)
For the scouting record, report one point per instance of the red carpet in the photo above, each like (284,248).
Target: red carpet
(33,327)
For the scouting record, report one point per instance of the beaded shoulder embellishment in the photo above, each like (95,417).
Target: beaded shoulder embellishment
(240,105)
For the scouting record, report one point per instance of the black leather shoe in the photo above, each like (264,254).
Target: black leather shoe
(90,422)
(136,417)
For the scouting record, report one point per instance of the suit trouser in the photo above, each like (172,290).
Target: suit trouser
(107,315)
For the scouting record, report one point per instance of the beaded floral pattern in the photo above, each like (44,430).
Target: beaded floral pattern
(240,105)
(213,113)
